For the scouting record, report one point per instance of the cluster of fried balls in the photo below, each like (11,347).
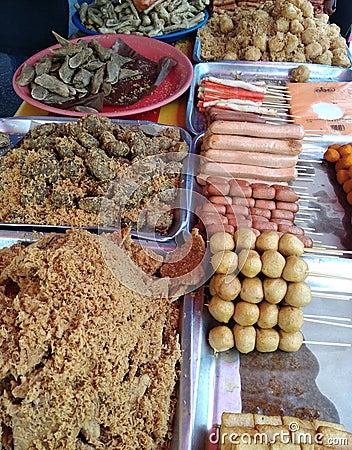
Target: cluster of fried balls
(283,30)
(341,156)
(257,291)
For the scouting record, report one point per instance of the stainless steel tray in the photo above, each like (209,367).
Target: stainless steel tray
(273,73)
(190,346)
(17,127)
(329,339)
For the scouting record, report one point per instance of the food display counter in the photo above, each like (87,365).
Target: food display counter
(309,385)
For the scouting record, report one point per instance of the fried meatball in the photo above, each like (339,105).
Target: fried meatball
(291,12)
(308,23)
(334,31)
(322,18)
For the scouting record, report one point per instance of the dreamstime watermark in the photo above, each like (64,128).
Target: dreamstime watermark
(292,435)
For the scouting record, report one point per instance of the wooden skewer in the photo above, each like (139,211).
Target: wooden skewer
(337,344)
(332,251)
(330,295)
(343,319)
(329,275)
(327,322)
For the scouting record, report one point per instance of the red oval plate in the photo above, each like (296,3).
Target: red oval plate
(174,85)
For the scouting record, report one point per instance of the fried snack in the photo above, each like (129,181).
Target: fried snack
(278,433)
(220,309)
(221,338)
(289,31)
(85,361)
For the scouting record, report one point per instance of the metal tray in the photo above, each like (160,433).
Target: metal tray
(330,275)
(273,73)
(189,341)
(17,127)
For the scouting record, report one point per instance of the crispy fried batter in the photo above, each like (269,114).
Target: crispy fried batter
(84,361)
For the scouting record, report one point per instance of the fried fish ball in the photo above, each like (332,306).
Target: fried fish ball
(273,263)
(221,310)
(221,241)
(308,22)
(267,340)
(252,290)
(322,18)
(249,263)
(290,244)
(325,58)
(298,294)
(246,313)
(300,74)
(296,27)
(226,287)
(296,269)
(252,53)
(267,240)
(221,338)
(245,238)
(268,315)
(231,55)
(290,342)
(291,319)
(224,261)
(340,58)
(274,289)
(244,338)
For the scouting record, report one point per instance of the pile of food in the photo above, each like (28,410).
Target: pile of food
(258,151)
(85,362)
(257,291)
(281,31)
(341,156)
(162,17)
(84,76)
(267,432)
(93,172)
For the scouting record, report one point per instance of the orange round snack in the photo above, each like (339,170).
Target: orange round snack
(347,186)
(342,175)
(349,198)
(331,155)
(345,149)
(339,165)
(334,146)
(346,161)
(350,171)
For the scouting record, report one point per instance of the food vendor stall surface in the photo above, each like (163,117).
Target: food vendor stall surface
(315,380)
